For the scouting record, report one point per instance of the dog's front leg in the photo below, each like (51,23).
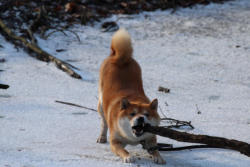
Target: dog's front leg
(118,148)
(150,144)
(157,157)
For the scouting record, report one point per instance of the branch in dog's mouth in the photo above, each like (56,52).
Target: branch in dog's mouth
(138,130)
(147,127)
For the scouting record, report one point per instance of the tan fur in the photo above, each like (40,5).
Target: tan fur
(120,78)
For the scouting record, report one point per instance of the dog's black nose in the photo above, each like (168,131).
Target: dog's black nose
(140,120)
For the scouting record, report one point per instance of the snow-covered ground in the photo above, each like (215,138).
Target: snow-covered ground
(202,54)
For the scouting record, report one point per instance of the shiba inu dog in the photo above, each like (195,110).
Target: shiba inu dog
(122,104)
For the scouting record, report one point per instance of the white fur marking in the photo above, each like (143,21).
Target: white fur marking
(125,128)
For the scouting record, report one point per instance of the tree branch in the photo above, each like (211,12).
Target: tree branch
(42,55)
(212,141)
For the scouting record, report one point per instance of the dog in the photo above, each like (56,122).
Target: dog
(123,106)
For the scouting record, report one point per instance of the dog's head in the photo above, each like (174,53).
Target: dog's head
(134,116)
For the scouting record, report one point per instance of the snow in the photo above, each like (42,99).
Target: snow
(200,53)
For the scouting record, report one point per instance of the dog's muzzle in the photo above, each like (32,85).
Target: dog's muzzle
(137,129)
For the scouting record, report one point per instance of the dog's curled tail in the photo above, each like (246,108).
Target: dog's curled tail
(121,47)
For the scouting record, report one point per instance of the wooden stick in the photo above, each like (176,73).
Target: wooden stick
(217,142)
(76,105)
(42,55)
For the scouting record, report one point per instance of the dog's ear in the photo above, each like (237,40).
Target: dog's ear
(124,104)
(154,104)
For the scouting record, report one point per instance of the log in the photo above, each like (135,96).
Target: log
(211,141)
(42,55)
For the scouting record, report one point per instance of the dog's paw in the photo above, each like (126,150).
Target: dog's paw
(159,160)
(129,159)
(102,139)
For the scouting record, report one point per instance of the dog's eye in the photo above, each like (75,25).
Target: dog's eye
(146,114)
(132,114)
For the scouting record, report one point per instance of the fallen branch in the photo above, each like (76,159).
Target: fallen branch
(41,55)
(76,105)
(211,141)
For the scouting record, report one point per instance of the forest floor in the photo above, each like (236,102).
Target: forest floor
(201,54)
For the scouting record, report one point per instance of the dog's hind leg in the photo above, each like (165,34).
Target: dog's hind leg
(104,127)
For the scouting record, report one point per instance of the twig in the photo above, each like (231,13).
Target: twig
(57,30)
(162,112)
(42,55)
(3,86)
(162,89)
(62,30)
(77,36)
(76,105)
(178,123)
(33,39)
(198,111)
(74,67)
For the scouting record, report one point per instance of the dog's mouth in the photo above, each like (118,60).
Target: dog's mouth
(138,130)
